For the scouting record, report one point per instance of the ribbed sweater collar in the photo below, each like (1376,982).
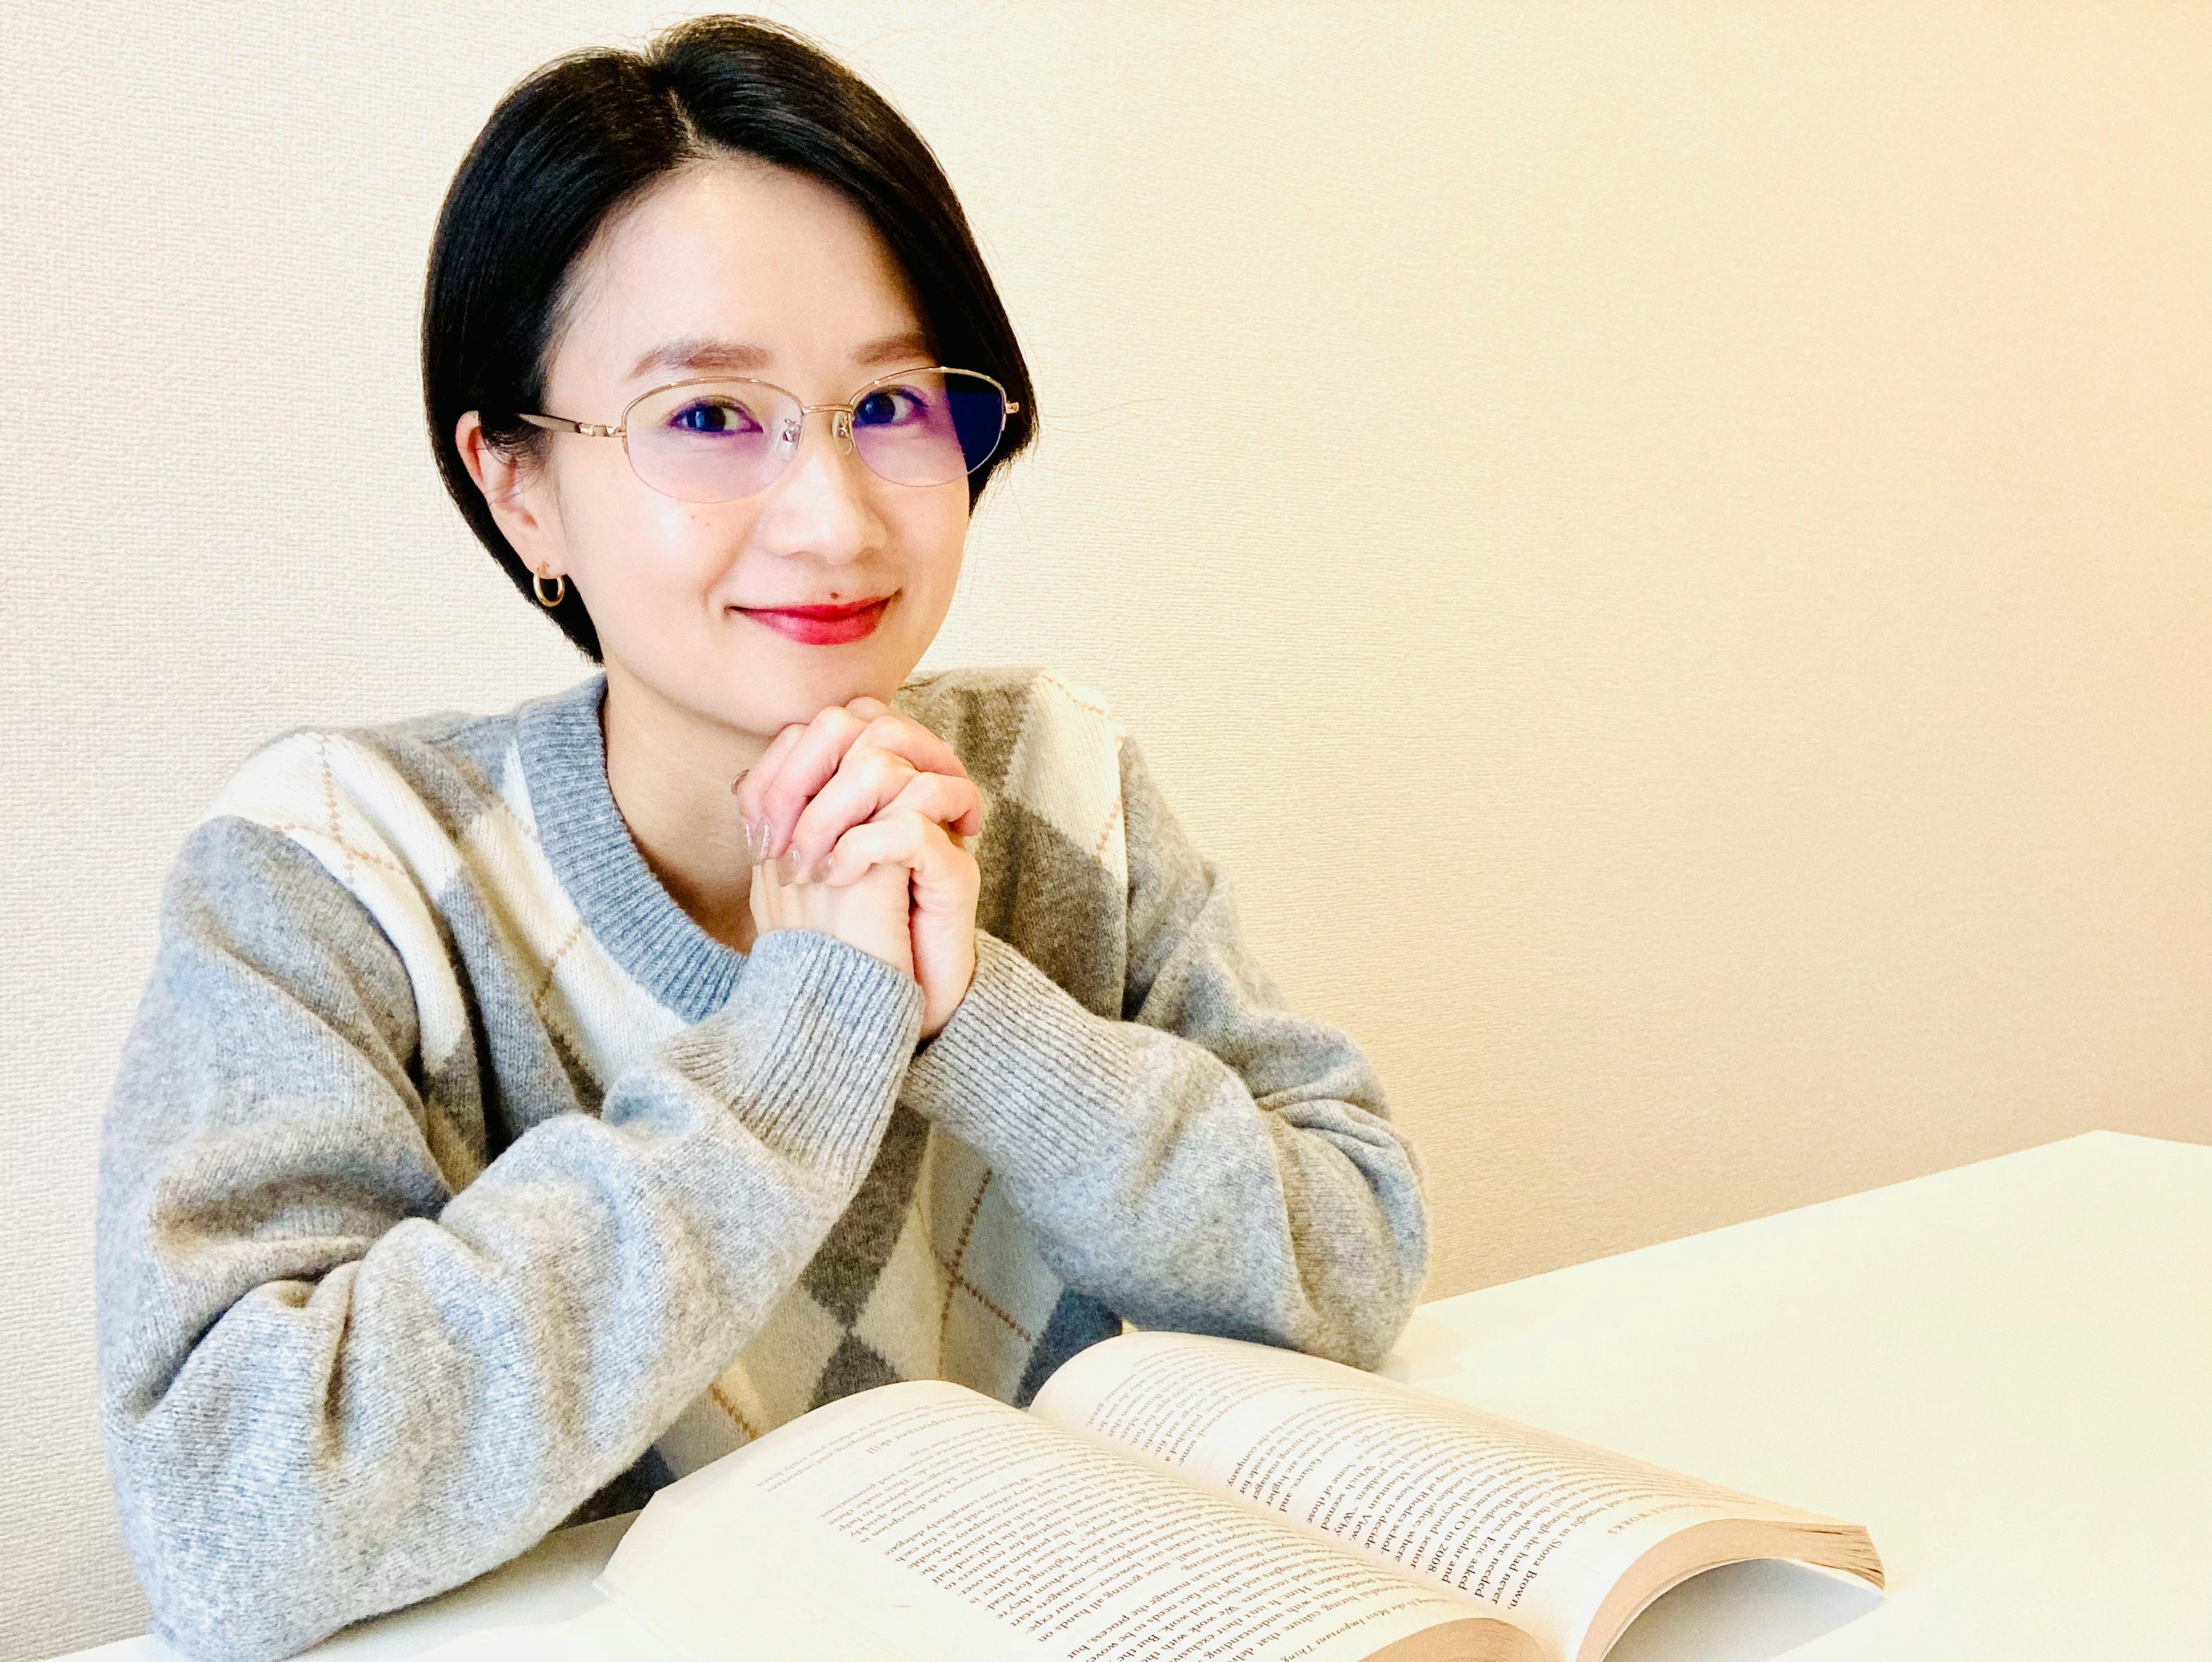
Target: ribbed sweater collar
(598,863)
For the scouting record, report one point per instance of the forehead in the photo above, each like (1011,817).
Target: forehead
(733,265)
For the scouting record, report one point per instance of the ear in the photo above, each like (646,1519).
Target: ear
(519,496)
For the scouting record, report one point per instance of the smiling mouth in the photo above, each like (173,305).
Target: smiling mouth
(821,626)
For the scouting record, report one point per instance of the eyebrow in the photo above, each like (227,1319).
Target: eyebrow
(699,356)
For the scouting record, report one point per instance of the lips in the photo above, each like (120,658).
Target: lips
(821,626)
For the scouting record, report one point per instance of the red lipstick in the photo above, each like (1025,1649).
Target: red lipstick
(821,626)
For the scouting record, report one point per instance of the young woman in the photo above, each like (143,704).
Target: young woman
(525,1109)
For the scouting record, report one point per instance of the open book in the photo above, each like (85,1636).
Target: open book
(1170,1498)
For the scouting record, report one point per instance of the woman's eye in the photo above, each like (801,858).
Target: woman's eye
(713,416)
(892,406)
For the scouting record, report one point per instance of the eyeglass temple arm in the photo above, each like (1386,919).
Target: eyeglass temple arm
(562,424)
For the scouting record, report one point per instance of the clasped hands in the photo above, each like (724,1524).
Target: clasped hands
(858,824)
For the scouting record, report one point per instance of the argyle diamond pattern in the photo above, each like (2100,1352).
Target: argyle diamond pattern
(930,1272)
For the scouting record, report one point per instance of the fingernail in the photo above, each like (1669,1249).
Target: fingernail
(752,851)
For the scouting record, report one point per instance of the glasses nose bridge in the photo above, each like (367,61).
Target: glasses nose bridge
(840,423)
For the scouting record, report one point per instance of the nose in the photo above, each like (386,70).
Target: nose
(820,506)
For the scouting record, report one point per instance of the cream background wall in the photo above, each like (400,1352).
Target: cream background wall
(1664,546)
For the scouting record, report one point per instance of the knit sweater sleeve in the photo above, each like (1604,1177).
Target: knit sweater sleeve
(336,1375)
(1213,1162)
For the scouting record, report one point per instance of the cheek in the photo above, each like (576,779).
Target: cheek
(931,529)
(651,554)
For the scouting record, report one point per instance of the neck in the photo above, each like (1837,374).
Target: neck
(670,771)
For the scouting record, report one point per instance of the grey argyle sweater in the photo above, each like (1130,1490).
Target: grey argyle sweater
(455,1185)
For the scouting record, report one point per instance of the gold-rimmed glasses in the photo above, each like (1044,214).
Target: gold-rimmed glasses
(723,438)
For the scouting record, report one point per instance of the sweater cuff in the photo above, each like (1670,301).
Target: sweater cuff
(1022,1071)
(811,1048)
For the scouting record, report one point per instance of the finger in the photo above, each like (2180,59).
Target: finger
(831,736)
(905,838)
(766,898)
(752,785)
(810,763)
(955,804)
(872,781)
(904,736)
(805,755)
(927,754)
(867,782)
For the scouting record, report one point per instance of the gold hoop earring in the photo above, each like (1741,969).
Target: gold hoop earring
(559,589)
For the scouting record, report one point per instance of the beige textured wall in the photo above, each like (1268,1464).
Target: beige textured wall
(1665,546)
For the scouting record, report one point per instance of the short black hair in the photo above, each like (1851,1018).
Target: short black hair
(585,134)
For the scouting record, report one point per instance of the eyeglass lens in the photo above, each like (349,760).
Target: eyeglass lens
(723,441)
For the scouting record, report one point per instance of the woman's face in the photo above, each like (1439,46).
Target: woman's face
(741,268)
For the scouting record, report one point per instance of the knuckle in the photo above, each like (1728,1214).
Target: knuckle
(885,730)
(944,798)
(882,765)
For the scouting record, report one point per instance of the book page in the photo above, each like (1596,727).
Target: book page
(958,1528)
(1536,1526)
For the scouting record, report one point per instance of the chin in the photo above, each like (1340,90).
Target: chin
(776,700)
(762,688)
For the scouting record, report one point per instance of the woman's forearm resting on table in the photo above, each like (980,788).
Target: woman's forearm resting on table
(336,1379)
(1162,1184)
(1213,1161)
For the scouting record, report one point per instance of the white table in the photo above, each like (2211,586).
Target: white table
(2005,1372)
